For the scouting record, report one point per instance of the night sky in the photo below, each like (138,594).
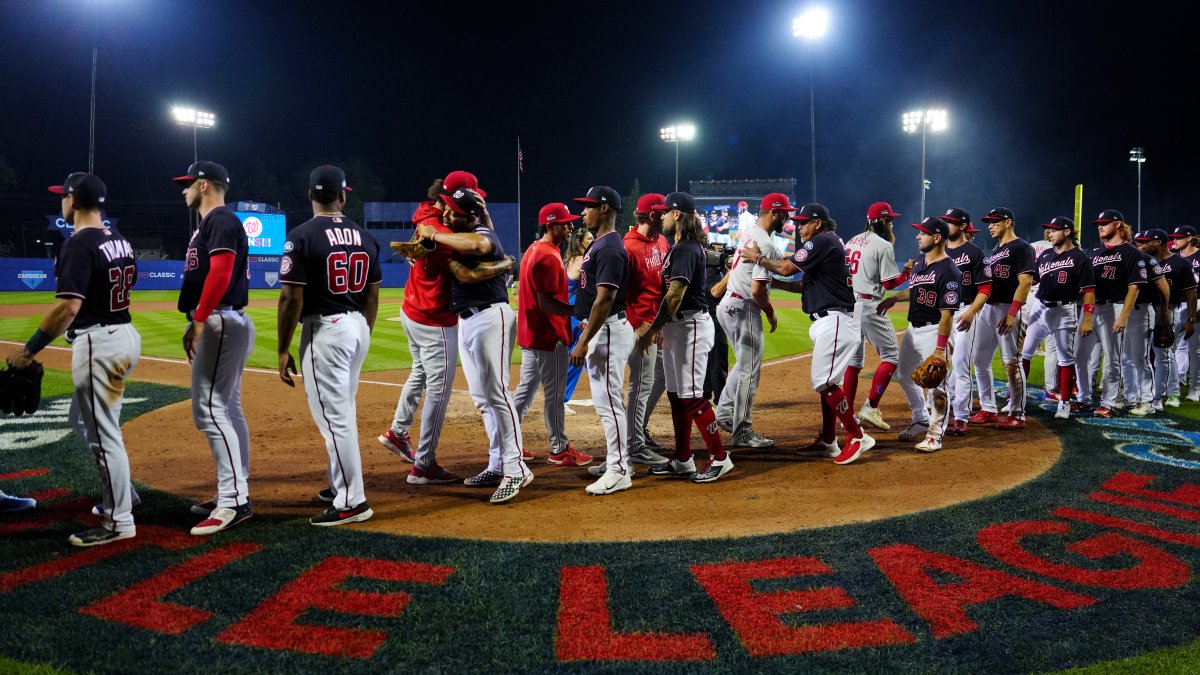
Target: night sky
(1041,96)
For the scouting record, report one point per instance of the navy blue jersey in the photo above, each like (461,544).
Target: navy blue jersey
(1063,277)
(485,293)
(334,260)
(219,232)
(1194,259)
(933,287)
(1152,272)
(605,263)
(1115,269)
(969,259)
(1178,273)
(1005,267)
(686,262)
(97,266)
(826,276)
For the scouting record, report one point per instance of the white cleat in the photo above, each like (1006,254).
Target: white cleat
(930,444)
(820,448)
(872,416)
(609,483)
(914,431)
(1064,411)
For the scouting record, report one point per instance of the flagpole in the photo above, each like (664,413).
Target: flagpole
(519,199)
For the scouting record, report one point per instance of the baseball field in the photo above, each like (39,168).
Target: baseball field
(1071,544)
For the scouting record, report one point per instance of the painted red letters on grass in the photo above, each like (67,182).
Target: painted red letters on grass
(585,627)
(272,624)
(754,616)
(1187,494)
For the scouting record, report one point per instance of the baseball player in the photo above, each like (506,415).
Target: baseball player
(1010,270)
(1065,278)
(1177,273)
(1184,240)
(543,332)
(13,504)
(872,262)
(1037,331)
(486,337)
(834,331)
(330,279)
(746,221)
(970,262)
(218,340)
(1137,375)
(687,339)
(95,271)
(647,250)
(607,338)
(747,298)
(1119,271)
(933,298)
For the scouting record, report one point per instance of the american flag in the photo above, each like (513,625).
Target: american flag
(520,158)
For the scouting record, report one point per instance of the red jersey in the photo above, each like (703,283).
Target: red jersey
(645,291)
(427,293)
(542,271)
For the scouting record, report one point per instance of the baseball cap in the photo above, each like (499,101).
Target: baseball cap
(1060,223)
(87,188)
(647,202)
(1183,231)
(812,211)
(881,210)
(777,200)
(462,179)
(742,205)
(556,212)
(1151,235)
(206,170)
(1108,216)
(934,225)
(463,201)
(957,216)
(679,200)
(997,214)
(327,179)
(601,194)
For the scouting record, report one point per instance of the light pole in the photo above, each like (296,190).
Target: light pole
(924,121)
(812,25)
(196,119)
(1138,156)
(677,133)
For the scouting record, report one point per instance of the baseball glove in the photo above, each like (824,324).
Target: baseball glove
(21,389)
(415,248)
(1164,336)
(931,373)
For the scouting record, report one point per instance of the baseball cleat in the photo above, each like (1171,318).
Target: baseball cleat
(527,456)
(914,431)
(1157,405)
(644,455)
(855,447)
(98,510)
(1010,423)
(1064,411)
(609,483)
(1193,396)
(222,518)
(399,444)
(331,516)
(204,508)
(1102,411)
(484,479)
(714,470)
(753,440)
(509,487)
(872,416)
(326,494)
(930,444)
(674,467)
(99,535)
(1118,406)
(567,410)
(983,417)
(820,448)
(1080,406)
(653,444)
(1141,410)
(569,457)
(959,428)
(11,504)
(431,475)
(1172,402)
(600,469)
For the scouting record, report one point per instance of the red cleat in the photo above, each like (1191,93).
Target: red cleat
(959,428)
(983,417)
(527,455)
(570,457)
(1103,412)
(1010,423)
(855,447)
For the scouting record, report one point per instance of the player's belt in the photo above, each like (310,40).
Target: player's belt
(1107,302)
(865,296)
(735,296)
(619,316)
(689,314)
(922,324)
(472,311)
(1059,303)
(826,312)
(73,333)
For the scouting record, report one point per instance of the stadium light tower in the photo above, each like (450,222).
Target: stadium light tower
(812,26)
(196,119)
(924,121)
(1138,156)
(677,133)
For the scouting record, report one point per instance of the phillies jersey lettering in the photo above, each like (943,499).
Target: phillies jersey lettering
(826,275)
(933,287)
(1115,269)
(1151,272)
(1005,266)
(97,266)
(1063,277)
(743,274)
(969,260)
(685,262)
(872,261)
(1179,275)
(606,263)
(220,231)
(334,260)
(485,293)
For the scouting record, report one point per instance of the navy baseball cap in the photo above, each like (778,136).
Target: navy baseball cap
(205,170)
(957,216)
(1060,223)
(1183,231)
(1151,235)
(812,211)
(1108,216)
(601,194)
(934,225)
(462,179)
(464,201)
(327,179)
(998,214)
(87,188)
(678,200)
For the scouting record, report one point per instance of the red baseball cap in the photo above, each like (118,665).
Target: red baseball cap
(742,205)
(881,210)
(556,212)
(462,179)
(647,202)
(777,200)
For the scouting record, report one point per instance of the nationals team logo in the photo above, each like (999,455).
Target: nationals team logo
(285,265)
(253,226)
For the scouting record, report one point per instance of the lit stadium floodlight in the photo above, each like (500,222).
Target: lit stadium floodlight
(196,119)
(812,26)
(1138,156)
(924,121)
(677,133)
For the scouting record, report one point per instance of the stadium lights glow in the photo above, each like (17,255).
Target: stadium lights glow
(924,121)
(1138,156)
(812,24)
(677,133)
(193,117)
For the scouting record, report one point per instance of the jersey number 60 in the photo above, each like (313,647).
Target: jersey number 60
(347,271)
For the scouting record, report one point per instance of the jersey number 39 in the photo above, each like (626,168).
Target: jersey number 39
(347,272)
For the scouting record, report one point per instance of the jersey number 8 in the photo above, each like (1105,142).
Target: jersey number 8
(347,271)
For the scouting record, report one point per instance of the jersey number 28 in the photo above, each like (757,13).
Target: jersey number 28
(122,279)
(347,271)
